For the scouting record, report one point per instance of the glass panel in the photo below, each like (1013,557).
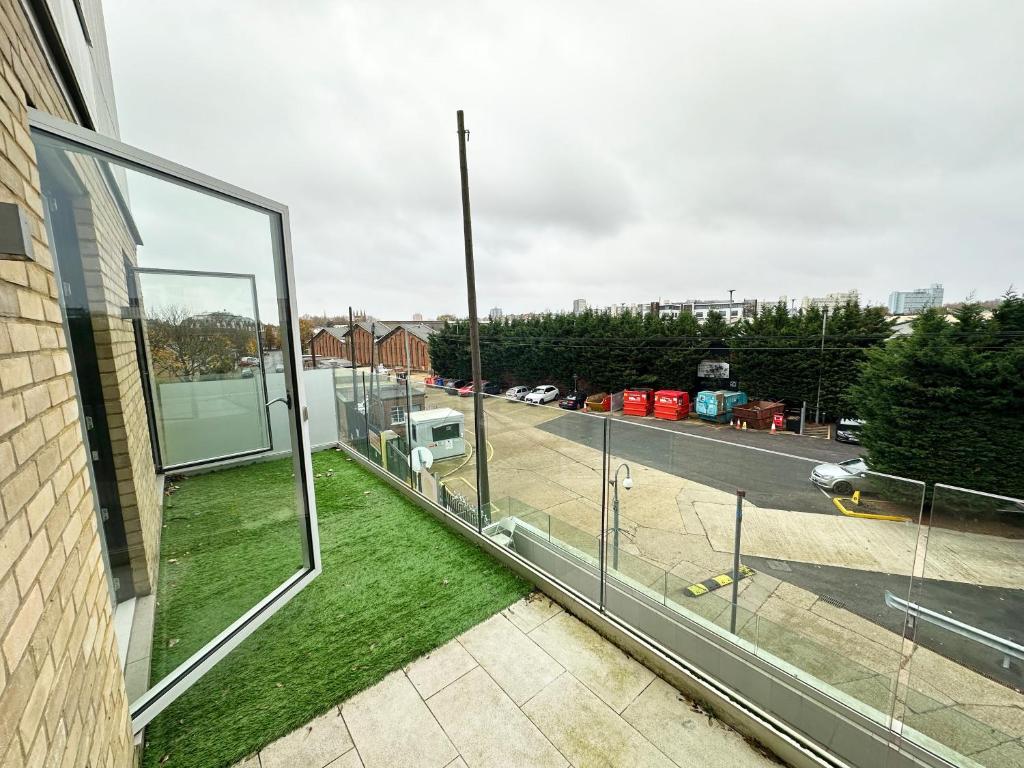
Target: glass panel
(194,553)
(545,467)
(962,694)
(206,364)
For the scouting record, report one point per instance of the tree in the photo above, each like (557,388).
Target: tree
(943,404)
(185,346)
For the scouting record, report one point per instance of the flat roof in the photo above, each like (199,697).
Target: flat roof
(435,413)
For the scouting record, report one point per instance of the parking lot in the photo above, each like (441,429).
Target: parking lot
(828,574)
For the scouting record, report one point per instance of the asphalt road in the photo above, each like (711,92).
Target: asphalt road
(723,459)
(993,609)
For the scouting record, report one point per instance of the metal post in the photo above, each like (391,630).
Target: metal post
(352,353)
(821,365)
(605,462)
(803,416)
(615,525)
(483,486)
(366,416)
(408,409)
(373,367)
(736,559)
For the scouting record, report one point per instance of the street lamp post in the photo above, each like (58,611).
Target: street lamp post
(627,483)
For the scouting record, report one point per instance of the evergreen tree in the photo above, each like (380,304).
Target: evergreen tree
(943,404)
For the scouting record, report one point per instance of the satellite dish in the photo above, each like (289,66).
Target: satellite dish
(421,458)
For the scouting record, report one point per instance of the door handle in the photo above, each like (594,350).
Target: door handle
(283,399)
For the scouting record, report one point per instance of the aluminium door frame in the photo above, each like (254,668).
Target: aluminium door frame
(165,691)
(150,397)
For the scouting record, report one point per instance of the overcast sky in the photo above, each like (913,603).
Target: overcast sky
(618,152)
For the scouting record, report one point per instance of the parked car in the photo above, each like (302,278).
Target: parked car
(545,393)
(248,362)
(843,478)
(848,431)
(574,401)
(488,388)
(517,393)
(453,386)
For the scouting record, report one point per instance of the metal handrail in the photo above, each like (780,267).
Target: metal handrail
(914,611)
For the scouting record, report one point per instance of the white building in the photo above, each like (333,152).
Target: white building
(830,301)
(916,301)
(579,306)
(731,311)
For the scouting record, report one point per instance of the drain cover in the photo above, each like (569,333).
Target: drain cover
(778,565)
(833,601)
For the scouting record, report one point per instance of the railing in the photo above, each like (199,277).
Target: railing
(812,577)
(914,612)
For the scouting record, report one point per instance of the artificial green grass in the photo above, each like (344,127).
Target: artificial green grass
(395,584)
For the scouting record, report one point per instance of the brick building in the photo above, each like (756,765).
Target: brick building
(390,336)
(333,341)
(391,347)
(89,422)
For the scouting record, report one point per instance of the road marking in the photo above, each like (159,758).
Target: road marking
(715,582)
(866,515)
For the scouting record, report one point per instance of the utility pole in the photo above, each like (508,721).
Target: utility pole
(408,409)
(352,354)
(483,486)
(373,367)
(821,365)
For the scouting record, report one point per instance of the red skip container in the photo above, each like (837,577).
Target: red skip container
(638,402)
(671,404)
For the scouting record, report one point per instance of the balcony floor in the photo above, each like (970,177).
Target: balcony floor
(530,686)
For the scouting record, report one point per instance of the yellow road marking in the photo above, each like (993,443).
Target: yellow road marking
(866,515)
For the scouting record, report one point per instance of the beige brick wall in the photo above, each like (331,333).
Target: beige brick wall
(62,698)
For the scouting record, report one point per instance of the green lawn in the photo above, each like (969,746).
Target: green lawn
(395,584)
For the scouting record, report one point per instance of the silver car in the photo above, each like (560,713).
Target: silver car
(516,393)
(843,478)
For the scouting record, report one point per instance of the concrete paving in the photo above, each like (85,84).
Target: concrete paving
(677,528)
(457,706)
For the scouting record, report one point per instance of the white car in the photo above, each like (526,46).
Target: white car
(545,393)
(516,393)
(843,478)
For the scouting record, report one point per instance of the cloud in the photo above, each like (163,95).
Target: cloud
(616,153)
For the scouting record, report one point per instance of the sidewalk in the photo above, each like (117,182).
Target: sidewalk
(531,686)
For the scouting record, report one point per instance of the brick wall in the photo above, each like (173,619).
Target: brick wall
(62,699)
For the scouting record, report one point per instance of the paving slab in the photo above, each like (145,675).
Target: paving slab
(686,734)
(435,670)
(488,729)
(314,745)
(956,730)
(509,656)
(349,760)
(391,726)
(532,611)
(603,668)
(587,731)
(1009,755)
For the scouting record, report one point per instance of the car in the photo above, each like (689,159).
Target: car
(545,393)
(488,388)
(843,478)
(848,431)
(574,401)
(248,362)
(517,393)
(452,387)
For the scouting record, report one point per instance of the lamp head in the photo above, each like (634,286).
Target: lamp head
(627,483)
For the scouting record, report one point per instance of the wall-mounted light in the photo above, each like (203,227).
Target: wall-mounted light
(15,233)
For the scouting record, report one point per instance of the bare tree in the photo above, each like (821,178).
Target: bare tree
(184,346)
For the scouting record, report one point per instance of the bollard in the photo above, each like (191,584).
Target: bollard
(736,559)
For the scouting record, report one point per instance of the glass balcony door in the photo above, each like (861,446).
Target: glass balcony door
(204,362)
(178,302)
